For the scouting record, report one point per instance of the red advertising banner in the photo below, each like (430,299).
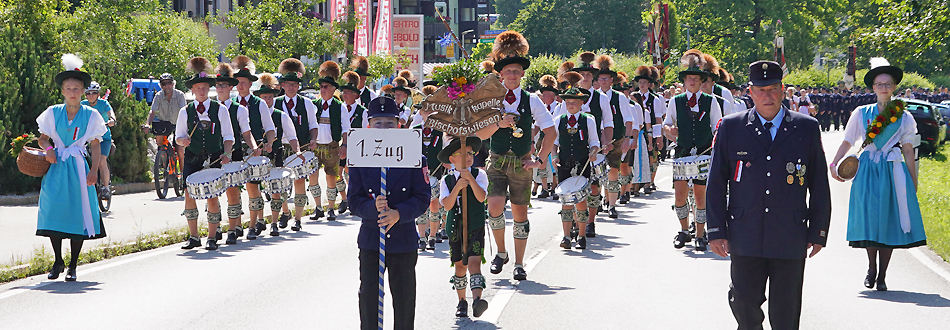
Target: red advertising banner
(361,46)
(407,41)
(337,9)
(383,32)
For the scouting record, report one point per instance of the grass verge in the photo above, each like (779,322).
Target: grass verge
(933,194)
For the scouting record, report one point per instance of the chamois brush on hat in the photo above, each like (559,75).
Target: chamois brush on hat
(510,47)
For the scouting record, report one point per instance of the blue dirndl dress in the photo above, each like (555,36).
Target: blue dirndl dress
(63,191)
(883,190)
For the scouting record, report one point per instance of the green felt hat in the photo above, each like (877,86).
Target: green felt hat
(456,144)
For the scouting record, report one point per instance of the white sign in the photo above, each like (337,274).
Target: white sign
(374,147)
(408,41)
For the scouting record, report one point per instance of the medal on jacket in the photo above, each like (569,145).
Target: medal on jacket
(790,167)
(790,179)
(801,174)
(571,130)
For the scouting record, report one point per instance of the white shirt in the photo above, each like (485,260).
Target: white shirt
(244,123)
(539,112)
(481,179)
(551,108)
(324,135)
(267,123)
(351,113)
(715,114)
(181,127)
(592,138)
(729,105)
(287,125)
(372,96)
(628,114)
(659,106)
(311,108)
(606,117)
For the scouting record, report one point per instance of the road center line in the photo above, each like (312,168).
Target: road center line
(505,292)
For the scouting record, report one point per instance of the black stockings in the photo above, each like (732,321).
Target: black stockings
(885,258)
(75,246)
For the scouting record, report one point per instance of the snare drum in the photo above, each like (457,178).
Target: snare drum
(573,190)
(206,184)
(303,165)
(691,167)
(598,167)
(258,167)
(236,174)
(279,180)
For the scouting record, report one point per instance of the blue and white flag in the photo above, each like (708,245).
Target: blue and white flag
(446,40)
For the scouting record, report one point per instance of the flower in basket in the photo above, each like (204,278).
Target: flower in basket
(19,142)
(459,78)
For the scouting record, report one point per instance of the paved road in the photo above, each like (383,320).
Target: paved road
(629,278)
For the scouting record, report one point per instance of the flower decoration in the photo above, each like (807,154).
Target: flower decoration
(202,74)
(19,142)
(887,116)
(459,78)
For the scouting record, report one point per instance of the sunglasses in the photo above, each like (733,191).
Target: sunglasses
(91,93)
(470,153)
(166,83)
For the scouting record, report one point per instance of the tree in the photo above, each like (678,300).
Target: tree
(914,34)
(564,26)
(273,30)
(507,11)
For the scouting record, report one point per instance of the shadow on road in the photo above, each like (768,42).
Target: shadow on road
(920,299)
(77,287)
(602,243)
(170,199)
(530,287)
(225,250)
(703,255)
(473,324)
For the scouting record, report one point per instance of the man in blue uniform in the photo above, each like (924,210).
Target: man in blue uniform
(769,159)
(407,197)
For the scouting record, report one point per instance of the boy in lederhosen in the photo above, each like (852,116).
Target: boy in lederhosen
(548,95)
(432,143)
(330,143)
(204,131)
(350,93)
(286,133)
(302,113)
(452,188)
(624,135)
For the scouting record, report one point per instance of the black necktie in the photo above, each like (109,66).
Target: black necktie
(768,129)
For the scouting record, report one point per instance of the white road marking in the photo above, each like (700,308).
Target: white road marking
(930,263)
(504,294)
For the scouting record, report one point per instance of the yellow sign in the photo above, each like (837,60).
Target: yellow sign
(450,50)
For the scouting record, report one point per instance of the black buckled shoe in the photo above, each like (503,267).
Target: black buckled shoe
(342,208)
(544,194)
(232,238)
(612,213)
(191,243)
(462,309)
(520,274)
(71,275)
(261,227)
(497,264)
(581,243)
(297,225)
(211,245)
(681,239)
(625,198)
(57,269)
(566,243)
(422,244)
(438,236)
(431,244)
(317,214)
(479,306)
(443,234)
(590,230)
(282,221)
(700,244)
(870,280)
(331,216)
(273,230)
(251,234)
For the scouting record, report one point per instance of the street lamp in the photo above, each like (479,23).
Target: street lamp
(687,35)
(463,37)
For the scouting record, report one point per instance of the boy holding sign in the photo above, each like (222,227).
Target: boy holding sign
(407,197)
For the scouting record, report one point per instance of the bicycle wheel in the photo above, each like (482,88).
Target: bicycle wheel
(177,182)
(159,170)
(104,203)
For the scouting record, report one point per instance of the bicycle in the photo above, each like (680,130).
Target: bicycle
(104,200)
(166,170)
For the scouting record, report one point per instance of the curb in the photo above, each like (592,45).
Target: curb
(33,198)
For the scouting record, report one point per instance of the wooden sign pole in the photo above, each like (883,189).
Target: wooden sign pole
(464,205)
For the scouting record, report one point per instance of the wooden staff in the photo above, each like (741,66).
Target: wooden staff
(464,205)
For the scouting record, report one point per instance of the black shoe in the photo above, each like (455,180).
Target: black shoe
(600,209)
(212,245)
(218,235)
(462,309)
(342,208)
(881,286)
(612,213)
(544,194)
(57,269)
(590,230)
(191,243)
(581,243)
(497,264)
(431,244)
(566,243)
(438,236)
(240,231)
(870,280)
(297,226)
(331,216)
(653,187)
(317,214)
(261,227)
(273,230)
(251,234)
(648,190)
(681,239)
(625,198)
(422,245)
(520,274)
(700,244)
(479,306)
(282,221)
(232,238)
(71,276)
(554,196)
(443,234)
(636,194)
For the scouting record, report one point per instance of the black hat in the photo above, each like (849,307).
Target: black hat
(224,73)
(350,80)
(643,72)
(585,63)
(604,64)
(72,68)
(572,92)
(382,107)
(548,84)
(268,84)
(765,73)
(693,63)
(329,72)
(291,69)
(510,48)
(200,66)
(430,83)
(880,65)
(245,67)
(456,144)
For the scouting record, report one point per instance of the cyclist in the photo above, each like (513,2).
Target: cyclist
(165,107)
(108,116)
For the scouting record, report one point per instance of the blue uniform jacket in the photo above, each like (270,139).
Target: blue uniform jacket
(766,216)
(407,192)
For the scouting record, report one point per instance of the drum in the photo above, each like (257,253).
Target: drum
(573,190)
(206,184)
(236,174)
(598,167)
(691,167)
(848,167)
(278,180)
(259,167)
(302,165)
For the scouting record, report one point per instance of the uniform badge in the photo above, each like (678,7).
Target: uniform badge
(742,153)
(427,140)
(748,164)
(801,181)
(822,233)
(790,167)
(790,179)
(571,130)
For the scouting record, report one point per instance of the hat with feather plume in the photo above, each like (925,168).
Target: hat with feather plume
(510,48)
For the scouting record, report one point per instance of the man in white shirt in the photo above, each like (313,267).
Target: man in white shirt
(302,113)
(331,137)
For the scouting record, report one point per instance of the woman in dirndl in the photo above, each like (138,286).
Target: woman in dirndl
(67,204)
(883,213)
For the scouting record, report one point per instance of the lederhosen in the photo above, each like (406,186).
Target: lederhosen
(693,127)
(207,142)
(329,154)
(574,149)
(476,222)
(508,152)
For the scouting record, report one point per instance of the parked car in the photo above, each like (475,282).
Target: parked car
(944,110)
(930,125)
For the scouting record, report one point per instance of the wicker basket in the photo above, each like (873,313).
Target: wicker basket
(32,162)
(848,167)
